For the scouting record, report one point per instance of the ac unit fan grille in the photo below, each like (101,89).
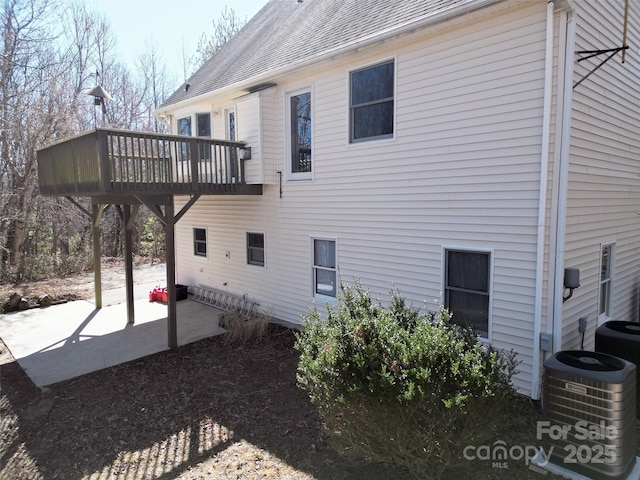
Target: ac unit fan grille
(582,400)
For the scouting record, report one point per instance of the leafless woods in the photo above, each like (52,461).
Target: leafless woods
(51,52)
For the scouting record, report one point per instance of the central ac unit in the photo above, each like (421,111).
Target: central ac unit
(621,339)
(589,401)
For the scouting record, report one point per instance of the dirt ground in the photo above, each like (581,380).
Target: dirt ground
(80,286)
(208,410)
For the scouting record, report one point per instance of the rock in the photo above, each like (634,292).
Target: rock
(23,305)
(13,303)
(45,301)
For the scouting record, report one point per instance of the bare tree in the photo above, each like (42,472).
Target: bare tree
(224,28)
(158,84)
(24,63)
(81,51)
(50,53)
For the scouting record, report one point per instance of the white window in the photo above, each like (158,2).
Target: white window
(607,258)
(184,128)
(203,121)
(230,115)
(255,249)
(372,102)
(324,270)
(203,125)
(299,135)
(229,167)
(200,242)
(467,288)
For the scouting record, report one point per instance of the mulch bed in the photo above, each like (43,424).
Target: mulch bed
(208,410)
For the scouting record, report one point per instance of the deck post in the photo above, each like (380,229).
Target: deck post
(194,157)
(96,215)
(128,261)
(103,159)
(172,324)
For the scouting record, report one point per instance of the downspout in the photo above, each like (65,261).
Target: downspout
(563,183)
(542,196)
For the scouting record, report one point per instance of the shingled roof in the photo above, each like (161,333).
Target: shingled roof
(287,33)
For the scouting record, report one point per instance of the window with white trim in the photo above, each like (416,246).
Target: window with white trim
(324,269)
(466,290)
(255,249)
(203,125)
(299,136)
(607,258)
(203,121)
(231,124)
(229,167)
(200,242)
(371,102)
(184,128)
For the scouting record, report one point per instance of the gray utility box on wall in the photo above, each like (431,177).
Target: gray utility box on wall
(589,402)
(621,339)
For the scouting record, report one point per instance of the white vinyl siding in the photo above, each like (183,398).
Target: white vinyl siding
(462,170)
(604,171)
(256,125)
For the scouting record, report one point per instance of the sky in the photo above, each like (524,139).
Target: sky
(167,23)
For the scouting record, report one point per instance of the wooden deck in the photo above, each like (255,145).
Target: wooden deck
(130,168)
(106,162)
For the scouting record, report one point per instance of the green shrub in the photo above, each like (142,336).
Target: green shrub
(396,386)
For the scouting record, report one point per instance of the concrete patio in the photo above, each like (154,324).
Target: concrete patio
(64,341)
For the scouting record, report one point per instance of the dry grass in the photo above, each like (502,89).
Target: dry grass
(243,328)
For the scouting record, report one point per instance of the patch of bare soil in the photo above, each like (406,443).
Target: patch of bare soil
(208,410)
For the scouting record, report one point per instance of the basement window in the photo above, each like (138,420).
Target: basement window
(467,288)
(324,268)
(200,242)
(255,249)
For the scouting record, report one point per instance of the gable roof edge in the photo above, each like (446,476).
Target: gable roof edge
(344,49)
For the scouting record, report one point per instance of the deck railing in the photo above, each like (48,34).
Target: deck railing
(105,161)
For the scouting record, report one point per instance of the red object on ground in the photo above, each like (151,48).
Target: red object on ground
(158,295)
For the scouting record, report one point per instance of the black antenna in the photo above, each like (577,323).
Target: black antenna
(611,51)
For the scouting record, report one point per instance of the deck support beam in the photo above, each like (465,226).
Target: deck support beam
(96,216)
(128,212)
(128,260)
(172,324)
